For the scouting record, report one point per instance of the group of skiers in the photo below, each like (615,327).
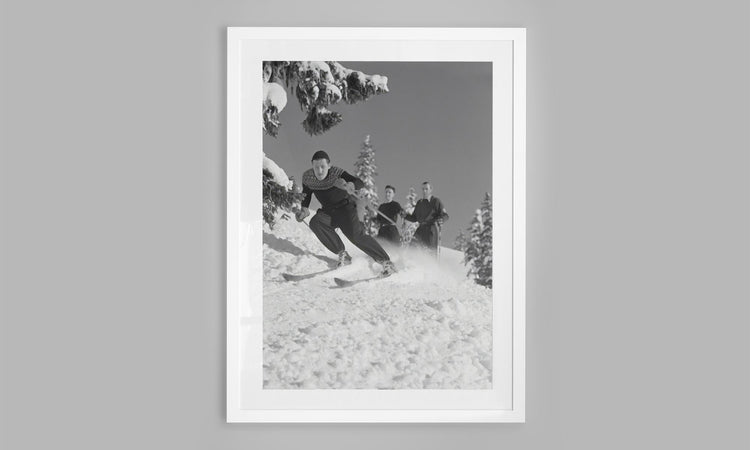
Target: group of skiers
(337,192)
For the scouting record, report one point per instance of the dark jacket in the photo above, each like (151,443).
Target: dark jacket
(427,212)
(391,210)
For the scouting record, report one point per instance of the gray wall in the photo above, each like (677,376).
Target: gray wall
(113,224)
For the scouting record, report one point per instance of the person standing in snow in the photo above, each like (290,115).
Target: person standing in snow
(430,214)
(335,189)
(391,209)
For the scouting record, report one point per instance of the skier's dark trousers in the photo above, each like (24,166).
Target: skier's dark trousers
(338,210)
(326,220)
(430,214)
(389,233)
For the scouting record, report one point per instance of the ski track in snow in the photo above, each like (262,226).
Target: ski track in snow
(425,327)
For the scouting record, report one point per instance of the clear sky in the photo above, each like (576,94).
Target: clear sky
(434,124)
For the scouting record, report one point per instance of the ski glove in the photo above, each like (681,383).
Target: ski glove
(301,214)
(348,187)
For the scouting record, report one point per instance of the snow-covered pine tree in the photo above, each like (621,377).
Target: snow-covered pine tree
(460,242)
(365,170)
(317,85)
(276,196)
(470,250)
(408,228)
(478,245)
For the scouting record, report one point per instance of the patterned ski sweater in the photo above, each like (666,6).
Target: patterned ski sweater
(325,190)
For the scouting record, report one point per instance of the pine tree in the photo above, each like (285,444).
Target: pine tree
(365,170)
(461,242)
(317,85)
(409,228)
(478,244)
(277,197)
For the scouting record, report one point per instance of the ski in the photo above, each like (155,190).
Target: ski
(293,277)
(346,283)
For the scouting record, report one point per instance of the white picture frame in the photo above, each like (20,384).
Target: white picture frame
(246,49)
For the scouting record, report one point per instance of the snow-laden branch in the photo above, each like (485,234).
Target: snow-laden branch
(317,85)
(279,176)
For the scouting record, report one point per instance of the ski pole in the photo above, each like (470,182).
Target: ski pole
(385,217)
(438,247)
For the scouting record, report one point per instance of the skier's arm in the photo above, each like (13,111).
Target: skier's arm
(358,184)
(437,214)
(441,215)
(305,210)
(412,216)
(377,217)
(400,213)
(349,183)
(307,196)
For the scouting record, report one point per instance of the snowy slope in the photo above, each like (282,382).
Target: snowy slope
(426,326)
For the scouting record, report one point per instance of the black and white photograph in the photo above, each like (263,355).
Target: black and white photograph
(375,224)
(377,239)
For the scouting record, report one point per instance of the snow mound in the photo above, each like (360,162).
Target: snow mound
(425,327)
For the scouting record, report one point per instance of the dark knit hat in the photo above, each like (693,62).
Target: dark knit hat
(320,154)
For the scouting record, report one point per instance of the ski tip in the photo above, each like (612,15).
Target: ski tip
(341,282)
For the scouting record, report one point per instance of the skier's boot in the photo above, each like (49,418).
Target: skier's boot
(388,269)
(344,259)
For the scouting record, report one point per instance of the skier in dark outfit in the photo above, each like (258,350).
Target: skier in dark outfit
(430,214)
(391,209)
(334,188)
